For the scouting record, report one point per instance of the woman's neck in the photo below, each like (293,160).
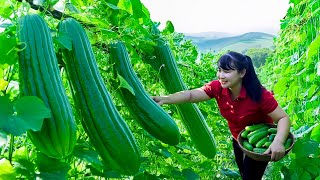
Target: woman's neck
(235,91)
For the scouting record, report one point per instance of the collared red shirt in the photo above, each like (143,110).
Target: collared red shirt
(243,110)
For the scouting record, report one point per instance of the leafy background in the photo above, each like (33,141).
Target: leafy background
(291,71)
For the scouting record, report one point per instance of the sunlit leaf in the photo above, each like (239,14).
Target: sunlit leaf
(169,28)
(315,134)
(125,5)
(6,9)
(6,170)
(125,84)
(3,84)
(318,68)
(314,47)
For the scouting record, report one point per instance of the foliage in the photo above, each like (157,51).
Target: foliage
(259,56)
(292,71)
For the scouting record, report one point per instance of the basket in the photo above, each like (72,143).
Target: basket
(262,157)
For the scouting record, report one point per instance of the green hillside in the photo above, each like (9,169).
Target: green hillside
(238,43)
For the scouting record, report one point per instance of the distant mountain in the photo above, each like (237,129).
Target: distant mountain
(224,41)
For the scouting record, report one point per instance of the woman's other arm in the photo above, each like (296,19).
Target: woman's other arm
(282,120)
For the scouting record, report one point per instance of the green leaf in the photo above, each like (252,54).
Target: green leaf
(26,113)
(113,6)
(5,10)
(230,173)
(72,8)
(315,134)
(22,163)
(6,109)
(8,53)
(125,84)
(64,40)
(305,148)
(314,47)
(87,154)
(190,174)
(169,28)
(52,2)
(125,5)
(6,170)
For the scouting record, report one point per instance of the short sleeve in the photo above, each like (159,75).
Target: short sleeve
(268,103)
(212,88)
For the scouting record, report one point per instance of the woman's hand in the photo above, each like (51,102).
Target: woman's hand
(159,99)
(277,151)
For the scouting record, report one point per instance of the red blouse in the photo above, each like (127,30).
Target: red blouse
(241,111)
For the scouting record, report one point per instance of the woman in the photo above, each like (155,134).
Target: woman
(242,101)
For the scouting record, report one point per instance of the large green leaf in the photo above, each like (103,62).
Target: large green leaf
(8,53)
(304,148)
(26,113)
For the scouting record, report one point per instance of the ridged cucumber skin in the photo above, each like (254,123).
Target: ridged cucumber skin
(267,144)
(271,137)
(245,133)
(39,76)
(107,130)
(272,130)
(192,118)
(262,141)
(256,137)
(247,145)
(257,131)
(143,108)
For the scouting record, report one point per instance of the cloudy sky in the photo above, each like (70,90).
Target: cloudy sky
(232,16)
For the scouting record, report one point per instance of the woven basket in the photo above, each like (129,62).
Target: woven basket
(261,157)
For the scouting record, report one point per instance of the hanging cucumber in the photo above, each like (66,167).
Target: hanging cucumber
(107,130)
(146,112)
(191,116)
(39,76)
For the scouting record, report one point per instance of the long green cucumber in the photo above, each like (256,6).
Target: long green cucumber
(143,108)
(191,116)
(39,76)
(107,130)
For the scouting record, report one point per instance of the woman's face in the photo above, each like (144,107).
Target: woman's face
(230,78)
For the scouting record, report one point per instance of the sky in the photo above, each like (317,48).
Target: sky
(230,16)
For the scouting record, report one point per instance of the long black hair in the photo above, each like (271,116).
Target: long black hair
(237,61)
